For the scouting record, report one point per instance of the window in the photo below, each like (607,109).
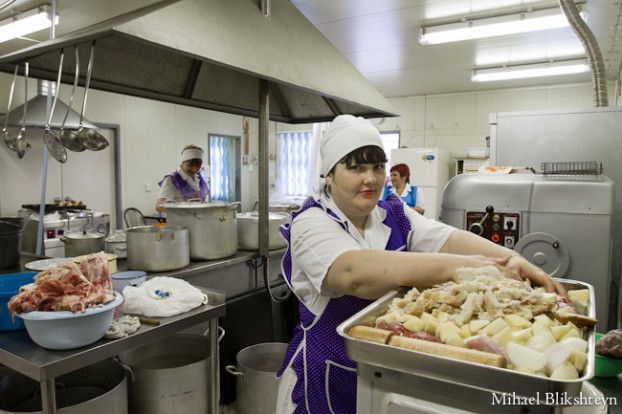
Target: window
(293,161)
(224,167)
(391,140)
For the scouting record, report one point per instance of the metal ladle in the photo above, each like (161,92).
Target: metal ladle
(53,144)
(68,138)
(89,138)
(8,139)
(92,139)
(21,143)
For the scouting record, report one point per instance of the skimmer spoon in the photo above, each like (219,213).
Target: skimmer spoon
(52,142)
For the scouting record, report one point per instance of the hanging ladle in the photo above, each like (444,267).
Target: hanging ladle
(90,138)
(8,139)
(68,138)
(21,143)
(53,144)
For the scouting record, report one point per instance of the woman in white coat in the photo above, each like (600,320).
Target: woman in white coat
(347,249)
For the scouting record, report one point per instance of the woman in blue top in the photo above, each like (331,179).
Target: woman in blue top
(400,186)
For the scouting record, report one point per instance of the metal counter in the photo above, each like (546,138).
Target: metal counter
(20,353)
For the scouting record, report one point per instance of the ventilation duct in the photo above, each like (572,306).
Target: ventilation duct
(37,111)
(595,57)
(214,55)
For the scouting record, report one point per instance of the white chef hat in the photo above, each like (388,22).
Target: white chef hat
(191,152)
(345,134)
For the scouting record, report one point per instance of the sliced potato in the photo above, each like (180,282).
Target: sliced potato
(517,321)
(455,340)
(446,329)
(579,360)
(494,327)
(522,335)
(414,324)
(476,325)
(560,330)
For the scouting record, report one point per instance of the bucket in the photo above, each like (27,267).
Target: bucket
(170,375)
(97,388)
(10,241)
(9,286)
(256,382)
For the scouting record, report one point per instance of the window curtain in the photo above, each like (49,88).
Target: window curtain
(314,182)
(293,159)
(222,168)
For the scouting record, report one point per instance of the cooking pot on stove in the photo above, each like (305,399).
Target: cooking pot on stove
(79,243)
(248,230)
(212,227)
(116,243)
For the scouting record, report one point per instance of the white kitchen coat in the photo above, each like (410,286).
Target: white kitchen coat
(316,242)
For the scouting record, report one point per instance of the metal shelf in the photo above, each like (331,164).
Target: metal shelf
(20,353)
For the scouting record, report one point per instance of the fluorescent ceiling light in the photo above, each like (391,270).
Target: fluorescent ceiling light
(529,21)
(27,22)
(534,70)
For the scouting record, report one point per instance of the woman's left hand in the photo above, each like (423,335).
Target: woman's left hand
(521,269)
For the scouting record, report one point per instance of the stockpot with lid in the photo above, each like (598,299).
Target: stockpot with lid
(212,227)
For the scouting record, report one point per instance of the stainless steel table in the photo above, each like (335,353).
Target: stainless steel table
(20,353)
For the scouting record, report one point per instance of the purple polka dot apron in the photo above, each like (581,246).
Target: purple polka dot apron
(326,377)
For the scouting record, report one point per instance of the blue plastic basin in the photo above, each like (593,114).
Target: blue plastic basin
(9,286)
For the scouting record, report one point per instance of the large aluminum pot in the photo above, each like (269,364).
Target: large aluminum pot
(256,383)
(170,375)
(78,243)
(97,388)
(212,226)
(248,230)
(116,243)
(157,249)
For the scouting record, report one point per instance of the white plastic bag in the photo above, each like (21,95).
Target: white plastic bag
(162,296)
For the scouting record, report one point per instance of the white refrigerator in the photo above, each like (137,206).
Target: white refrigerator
(429,170)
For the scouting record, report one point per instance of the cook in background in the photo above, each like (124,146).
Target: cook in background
(186,183)
(347,248)
(400,186)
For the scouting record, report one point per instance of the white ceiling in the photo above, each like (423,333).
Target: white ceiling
(379,37)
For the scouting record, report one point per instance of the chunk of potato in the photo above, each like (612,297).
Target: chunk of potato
(476,325)
(522,335)
(580,298)
(455,340)
(495,327)
(560,330)
(414,324)
(517,321)
(578,359)
(446,329)
(542,318)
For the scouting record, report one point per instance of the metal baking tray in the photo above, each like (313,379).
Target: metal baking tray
(469,374)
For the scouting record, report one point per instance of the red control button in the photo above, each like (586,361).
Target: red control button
(495,237)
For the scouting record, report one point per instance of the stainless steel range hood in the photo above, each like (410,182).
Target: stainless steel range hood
(37,111)
(213,55)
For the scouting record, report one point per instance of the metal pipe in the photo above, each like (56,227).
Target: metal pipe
(595,57)
(266,7)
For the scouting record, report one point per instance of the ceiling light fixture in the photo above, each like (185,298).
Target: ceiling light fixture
(30,21)
(533,70)
(467,29)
